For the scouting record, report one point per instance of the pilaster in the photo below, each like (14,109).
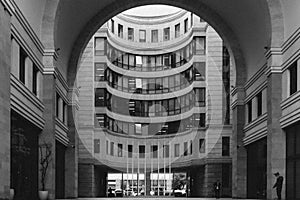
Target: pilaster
(5,63)
(239,154)
(276,139)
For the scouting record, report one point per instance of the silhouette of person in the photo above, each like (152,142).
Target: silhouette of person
(278,184)
(110,194)
(217,188)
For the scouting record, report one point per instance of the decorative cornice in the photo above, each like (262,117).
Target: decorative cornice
(146,136)
(151,48)
(49,71)
(25,24)
(149,74)
(26,93)
(149,97)
(8,6)
(256,76)
(290,100)
(273,70)
(273,51)
(50,53)
(256,122)
(290,118)
(159,20)
(237,89)
(274,59)
(256,91)
(256,136)
(21,41)
(291,40)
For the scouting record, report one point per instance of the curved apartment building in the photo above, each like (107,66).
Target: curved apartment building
(154,103)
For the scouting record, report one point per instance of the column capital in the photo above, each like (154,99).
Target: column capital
(238,96)
(274,60)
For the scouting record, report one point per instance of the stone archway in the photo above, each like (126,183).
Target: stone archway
(274,25)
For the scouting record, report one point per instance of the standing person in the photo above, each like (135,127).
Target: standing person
(278,184)
(217,188)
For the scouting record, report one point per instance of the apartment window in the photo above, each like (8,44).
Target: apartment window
(99,71)
(186,25)
(199,120)
(185,147)
(142,36)
(166,34)
(120,30)
(107,147)
(130,34)
(112,26)
(112,145)
(35,72)
(202,145)
(120,150)
(99,46)
(154,151)
(22,69)
(249,106)
(138,129)
(96,146)
(199,73)
(142,151)
(166,151)
(101,120)
(154,35)
(200,96)
(176,150)
(200,45)
(177,30)
(293,78)
(130,151)
(100,97)
(259,104)
(225,146)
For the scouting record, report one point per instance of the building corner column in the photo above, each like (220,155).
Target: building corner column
(48,134)
(71,162)
(239,153)
(5,63)
(276,139)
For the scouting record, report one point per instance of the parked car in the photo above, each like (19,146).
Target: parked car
(180,193)
(119,193)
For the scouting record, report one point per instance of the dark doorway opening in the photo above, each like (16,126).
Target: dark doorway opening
(24,158)
(257,169)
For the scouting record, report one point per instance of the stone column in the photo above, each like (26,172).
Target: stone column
(5,61)
(148,183)
(239,154)
(48,133)
(276,145)
(71,173)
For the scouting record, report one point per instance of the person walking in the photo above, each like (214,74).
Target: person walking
(217,188)
(278,185)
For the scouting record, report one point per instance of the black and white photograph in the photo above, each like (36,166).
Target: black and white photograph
(149,99)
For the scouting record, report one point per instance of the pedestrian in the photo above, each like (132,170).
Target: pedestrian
(217,188)
(278,184)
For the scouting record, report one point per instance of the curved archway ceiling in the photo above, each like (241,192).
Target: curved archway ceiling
(248,19)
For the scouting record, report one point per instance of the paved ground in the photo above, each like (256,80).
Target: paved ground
(168,198)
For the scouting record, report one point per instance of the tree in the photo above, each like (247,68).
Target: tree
(45,159)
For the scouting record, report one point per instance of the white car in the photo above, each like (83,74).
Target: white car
(180,193)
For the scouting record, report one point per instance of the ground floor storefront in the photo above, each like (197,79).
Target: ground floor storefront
(192,181)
